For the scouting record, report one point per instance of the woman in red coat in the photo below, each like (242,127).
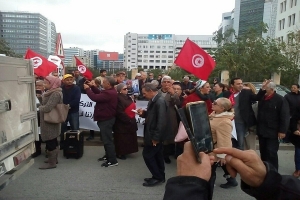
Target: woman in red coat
(125,127)
(201,93)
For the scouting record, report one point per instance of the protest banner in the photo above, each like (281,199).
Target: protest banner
(86,115)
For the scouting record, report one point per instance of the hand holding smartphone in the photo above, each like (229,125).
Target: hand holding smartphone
(135,111)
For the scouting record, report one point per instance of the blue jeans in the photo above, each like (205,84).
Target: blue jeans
(240,132)
(297,158)
(73,119)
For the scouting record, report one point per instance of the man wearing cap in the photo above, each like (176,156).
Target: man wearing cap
(120,77)
(71,96)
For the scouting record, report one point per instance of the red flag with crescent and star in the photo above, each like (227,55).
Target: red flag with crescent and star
(195,60)
(83,69)
(42,66)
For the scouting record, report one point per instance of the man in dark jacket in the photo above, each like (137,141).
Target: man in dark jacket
(105,115)
(71,96)
(259,179)
(155,125)
(272,124)
(293,99)
(241,100)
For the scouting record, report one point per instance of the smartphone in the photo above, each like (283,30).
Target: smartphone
(38,91)
(183,118)
(200,125)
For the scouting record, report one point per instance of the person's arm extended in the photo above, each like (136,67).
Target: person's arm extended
(259,179)
(101,97)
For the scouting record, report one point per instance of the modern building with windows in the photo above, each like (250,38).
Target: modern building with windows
(251,13)
(70,53)
(288,18)
(108,64)
(158,51)
(22,30)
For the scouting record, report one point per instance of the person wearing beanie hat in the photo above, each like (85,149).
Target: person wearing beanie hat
(125,127)
(201,93)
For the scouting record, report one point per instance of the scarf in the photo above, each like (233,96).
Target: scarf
(203,97)
(269,96)
(54,82)
(231,97)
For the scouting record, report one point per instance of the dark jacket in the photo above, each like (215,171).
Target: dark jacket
(106,103)
(123,123)
(80,85)
(246,99)
(71,96)
(295,139)
(272,117)
(293,100)
(275,186)
(155,120)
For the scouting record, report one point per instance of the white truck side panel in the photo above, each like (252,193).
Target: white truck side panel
(18,126)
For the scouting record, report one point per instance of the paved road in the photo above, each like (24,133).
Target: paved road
(86,179)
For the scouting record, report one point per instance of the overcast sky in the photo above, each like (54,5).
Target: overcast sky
(102,24)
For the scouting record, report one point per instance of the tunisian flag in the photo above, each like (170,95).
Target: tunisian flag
(195,60)
(42,67)
(83,69)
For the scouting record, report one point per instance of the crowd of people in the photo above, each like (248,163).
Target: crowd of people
(237,115)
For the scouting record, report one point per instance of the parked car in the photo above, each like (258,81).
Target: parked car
(280,89)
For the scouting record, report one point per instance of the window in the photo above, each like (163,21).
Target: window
(145,51)
(139,60)
(279,24)
(157,51)
(163,47)
(289,20)
(170,56)
(151,61)
(170,61)
(151,46)
(158,47)
(295,2)
(157,56)
(171,47)
(164,51)
(164,56)
(145,56)
(145,61)
(164,61)
(170,51)
(292,3)
(151,51)
(139,56)
(283,22)
(157,61)
(284,6)
(293,19)
(151,56)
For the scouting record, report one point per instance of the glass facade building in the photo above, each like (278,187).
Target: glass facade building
(22,30)
(251,15)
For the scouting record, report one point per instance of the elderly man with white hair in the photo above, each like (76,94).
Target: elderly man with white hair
(272,124)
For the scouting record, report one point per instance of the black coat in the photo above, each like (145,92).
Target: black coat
(272,117)
(246,98)
(155,120)
(274,186)
(295,139)
(293,100)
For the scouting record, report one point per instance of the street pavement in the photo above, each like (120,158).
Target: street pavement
(85,179)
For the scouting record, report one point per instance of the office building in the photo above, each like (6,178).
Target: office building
(109,64)
(23,29)
(90,55)
(158,51)
(70,53)
(288,18)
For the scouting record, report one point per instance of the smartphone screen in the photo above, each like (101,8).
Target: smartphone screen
(183,118)
(200,126)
